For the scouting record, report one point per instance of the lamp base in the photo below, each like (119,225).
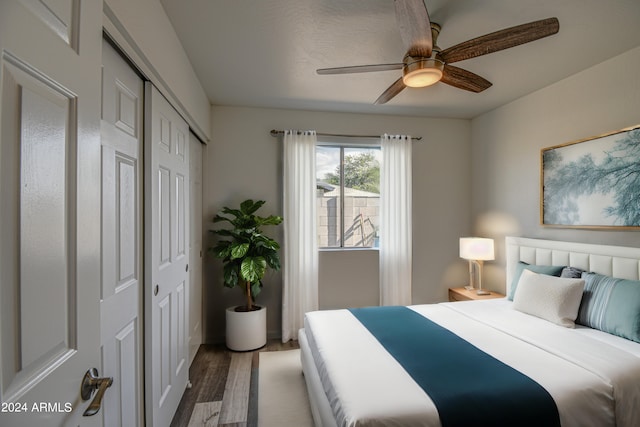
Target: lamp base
(482,292)
(469,287)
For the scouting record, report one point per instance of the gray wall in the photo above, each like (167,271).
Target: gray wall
(243,161)
(506,147)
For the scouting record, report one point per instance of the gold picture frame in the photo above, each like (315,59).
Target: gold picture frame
(592,183)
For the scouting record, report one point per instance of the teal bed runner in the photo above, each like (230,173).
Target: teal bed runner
(468,386)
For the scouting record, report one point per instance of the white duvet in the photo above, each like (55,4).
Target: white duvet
(593,377)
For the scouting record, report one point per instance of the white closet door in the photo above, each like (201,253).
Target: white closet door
(50,210)
(166,257)
(121,305)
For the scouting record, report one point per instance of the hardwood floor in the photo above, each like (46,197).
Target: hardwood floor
(224,391)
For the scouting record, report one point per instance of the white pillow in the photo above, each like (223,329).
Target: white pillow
(551,298)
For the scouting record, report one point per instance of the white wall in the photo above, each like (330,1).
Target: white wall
(244,161)
(506,147)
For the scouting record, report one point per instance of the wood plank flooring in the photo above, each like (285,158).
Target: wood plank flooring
(224,391)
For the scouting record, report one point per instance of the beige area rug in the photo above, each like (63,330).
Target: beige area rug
(282,393)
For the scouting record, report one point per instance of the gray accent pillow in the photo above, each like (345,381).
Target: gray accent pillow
(571,273)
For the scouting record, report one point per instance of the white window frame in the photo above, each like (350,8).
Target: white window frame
(342,143)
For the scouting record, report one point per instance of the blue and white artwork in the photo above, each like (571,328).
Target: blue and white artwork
(593,183)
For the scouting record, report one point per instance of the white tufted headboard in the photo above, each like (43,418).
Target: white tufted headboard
(616,261)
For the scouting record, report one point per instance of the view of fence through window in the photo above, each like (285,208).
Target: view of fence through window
(348,196)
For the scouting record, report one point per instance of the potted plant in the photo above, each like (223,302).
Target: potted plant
(246,253)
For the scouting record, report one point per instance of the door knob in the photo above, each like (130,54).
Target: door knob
(92,382)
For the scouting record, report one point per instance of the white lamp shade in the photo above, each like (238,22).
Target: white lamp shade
(476,248)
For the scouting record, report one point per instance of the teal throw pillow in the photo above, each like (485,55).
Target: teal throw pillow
(549,270)
(611,305)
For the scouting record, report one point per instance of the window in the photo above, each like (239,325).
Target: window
(348,195)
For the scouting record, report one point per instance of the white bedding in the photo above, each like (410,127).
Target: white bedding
(592,376)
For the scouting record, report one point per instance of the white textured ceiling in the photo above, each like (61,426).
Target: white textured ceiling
(264,53)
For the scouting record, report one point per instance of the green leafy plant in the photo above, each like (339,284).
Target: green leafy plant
(248,252)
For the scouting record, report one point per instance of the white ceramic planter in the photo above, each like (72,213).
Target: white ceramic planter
(246,330)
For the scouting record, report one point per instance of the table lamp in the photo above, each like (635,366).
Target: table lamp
(476,250)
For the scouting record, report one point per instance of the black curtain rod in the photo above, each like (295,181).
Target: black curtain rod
(275,132)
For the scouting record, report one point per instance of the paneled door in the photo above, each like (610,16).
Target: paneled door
(121,299)
(50,209)
(166,257)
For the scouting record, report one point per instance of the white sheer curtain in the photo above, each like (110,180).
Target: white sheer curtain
(300,267)
(395,220)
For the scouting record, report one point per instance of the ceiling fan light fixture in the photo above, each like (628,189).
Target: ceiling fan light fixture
(422,72)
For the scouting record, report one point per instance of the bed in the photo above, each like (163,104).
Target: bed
(359,375)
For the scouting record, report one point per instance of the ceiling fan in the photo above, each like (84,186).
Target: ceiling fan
(425,63)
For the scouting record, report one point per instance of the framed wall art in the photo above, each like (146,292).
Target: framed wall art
(592,183)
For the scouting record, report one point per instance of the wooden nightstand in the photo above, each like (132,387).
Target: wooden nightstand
(461,294)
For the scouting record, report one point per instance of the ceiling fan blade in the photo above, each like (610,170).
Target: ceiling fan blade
(463,79)
(503,39)
(360,69)
(391,91)
(415,28)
